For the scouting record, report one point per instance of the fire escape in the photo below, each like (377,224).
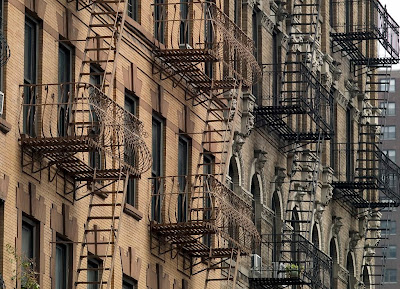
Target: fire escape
(199,216)
(77,131)
(299,114)
(366,171)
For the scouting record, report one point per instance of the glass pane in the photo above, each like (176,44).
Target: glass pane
(61,267)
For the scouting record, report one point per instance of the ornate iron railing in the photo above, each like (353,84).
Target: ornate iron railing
(79,117)
(199,205)
(201,31)
(291,259)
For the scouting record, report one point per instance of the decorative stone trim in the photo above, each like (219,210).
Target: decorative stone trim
(261,157)
(337,225)
(267,23)
(341,99)
(343,274)
(355,237)
(267,215)
(131,264)
(326,187)
(4,182)
(248,117)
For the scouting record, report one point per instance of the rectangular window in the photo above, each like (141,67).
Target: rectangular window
(207,170)
(30,74)
(159,19)
(390,275)
(64,77)
(63,262)
(183,171)
(129,283)
(389,132)
(93,275)
(184,26)
(133,9)
(30,243)
(390,108)
(130,106)
(391,154)
(349,145)
(388,227)
(390,252)
(387,85)
(95,156)
(156,171)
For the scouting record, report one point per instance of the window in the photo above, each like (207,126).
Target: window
(130,106)
(390,275)
(93,275)
(183,171)
(349,15)
(254,21)
(156,170)
(389,132)
(133,9)
(236,11)
(30,242)
(30,74)
(208,160)
(388,227)
(159,20)
(391,154)
(64,76)
(331,13)
(95,156)
(390,108)
(184,26)
(63,261)
(209,36)
(387,85)
(390,252)
(129,283)
(349,145)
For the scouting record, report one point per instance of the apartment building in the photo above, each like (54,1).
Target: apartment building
(193,144)
(390,145)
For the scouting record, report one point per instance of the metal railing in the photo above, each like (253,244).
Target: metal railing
(80,111)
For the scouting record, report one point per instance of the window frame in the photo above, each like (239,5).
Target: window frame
(391,275)
(131,194)
(31,71)
(63,98)
(157,167)
(133,9)
(160,15)
(388,134)
(61,242)
(183,172)
(94,263)
(128,281)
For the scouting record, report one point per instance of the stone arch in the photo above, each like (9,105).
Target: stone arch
(255,190)
(234,171)
(334,254)
(366,278)
(351,268)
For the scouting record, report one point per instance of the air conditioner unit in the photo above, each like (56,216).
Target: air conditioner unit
(185,46)
(1,103)
(256,262)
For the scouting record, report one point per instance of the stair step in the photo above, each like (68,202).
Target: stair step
(98,243)
(94,256)
(102,25)
(93,269)
(105,205)
(100,49)
(100,230)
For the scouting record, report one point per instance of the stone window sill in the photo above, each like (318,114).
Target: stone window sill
(5,126)
(133,212)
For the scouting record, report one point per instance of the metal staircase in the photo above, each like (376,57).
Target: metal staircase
(301,93)
(89,140)
(301,115)
(216,227)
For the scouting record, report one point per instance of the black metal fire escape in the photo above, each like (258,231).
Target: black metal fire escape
(300,114)
(372,171)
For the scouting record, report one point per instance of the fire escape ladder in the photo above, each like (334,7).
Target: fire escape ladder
(101,232)
(102,44)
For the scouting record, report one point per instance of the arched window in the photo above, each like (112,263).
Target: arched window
(233,175)
(315,236)
(276,226)
(350,268)
(295,238)
(366,280)
(333,253)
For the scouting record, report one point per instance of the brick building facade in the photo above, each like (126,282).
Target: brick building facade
(211,142)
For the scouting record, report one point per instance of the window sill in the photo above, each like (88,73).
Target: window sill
(5,126)
(133,212)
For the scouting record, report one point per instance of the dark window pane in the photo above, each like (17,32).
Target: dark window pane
(61,266)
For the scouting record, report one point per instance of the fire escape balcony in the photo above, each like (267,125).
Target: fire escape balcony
(363,167)
(203,47)
(303,94)
(79,130)
(354,38)
(295,261)
(198,215)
